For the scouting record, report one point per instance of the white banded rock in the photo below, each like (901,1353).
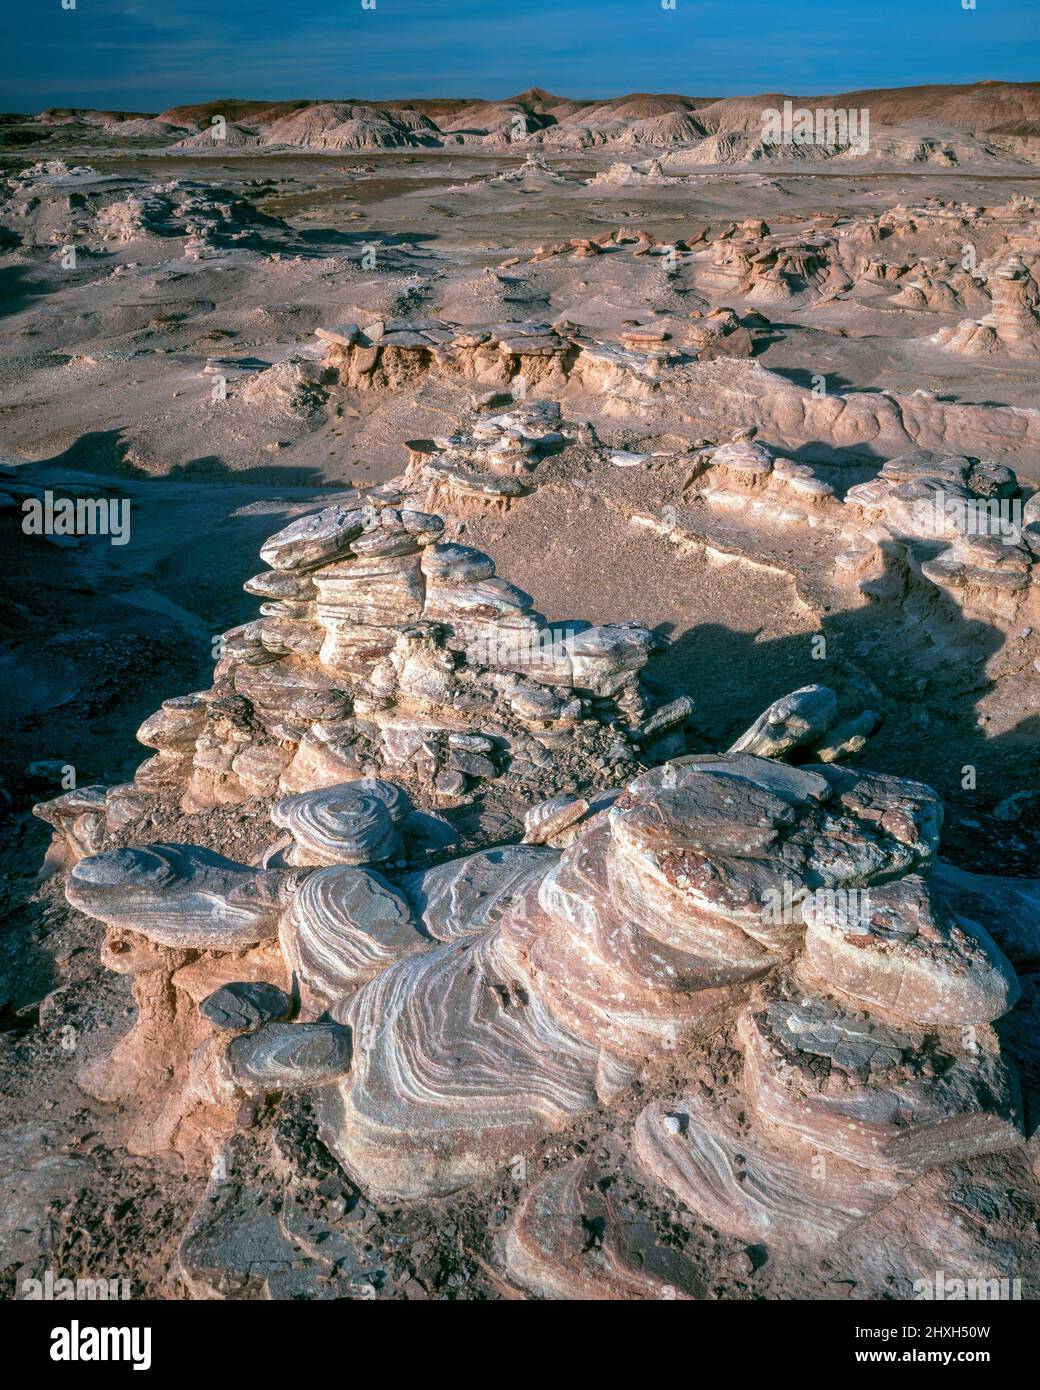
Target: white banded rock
(973,506)
(746,461)
(558,823)
(746,1180)
(1013,322)
(470,607)
(618,978)
(457,1068)
(457,564)
(376,645)
(355,823)
(464,897)
(342,926)
(491,1000)
(602,658)
(724,841)
(259,767)
(281,584)
(176,724)
(420,672)
(181,896)
(607,953)
(280,692)
(361,604)
(550,817)
(288,1057)
(78,819)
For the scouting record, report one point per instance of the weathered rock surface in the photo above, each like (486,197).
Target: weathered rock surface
(180,896)
(1007,908)
(802,717)
(288,1057)
(243,1006)
(901,950)
(342,927)
(378,648)
(743,1179)
(875,1095)
(458,1017)
(647,930)
(457,1068)
(574,1237)
(351,824)
(1012,325)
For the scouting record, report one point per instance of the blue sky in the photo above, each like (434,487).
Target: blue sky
(149,54)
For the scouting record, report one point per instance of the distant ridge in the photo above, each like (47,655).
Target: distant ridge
(948,124)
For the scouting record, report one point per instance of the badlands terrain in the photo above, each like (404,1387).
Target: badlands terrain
(534,743)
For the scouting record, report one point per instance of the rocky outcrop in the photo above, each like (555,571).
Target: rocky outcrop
(957,523)
(963,526)
(452,1018)
(52,203)
(380,648)
(575,1236)
(541,356)
(1012,325)
(486,466)
(771,269)
(878,1096)
(742,1179)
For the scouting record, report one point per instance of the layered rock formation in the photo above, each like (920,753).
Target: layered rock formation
(1012,325)
(768,269)
(381,648)
(926,521)
(543,357)
(489,464)
(983,122)
(960,524)
(578,1235)
(747,971)
(598,983)
(450,1019)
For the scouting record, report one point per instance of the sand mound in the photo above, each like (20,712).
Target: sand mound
(229,135)
(344,126)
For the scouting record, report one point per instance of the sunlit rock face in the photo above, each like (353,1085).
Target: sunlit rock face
(643,935)
(1012,326)
(180,896)
(450,1014)
(876,1095)
(950,535)
(905,952)
(379,649)
(382,649)
(448,1020)
(740,1178)
(697,1017)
